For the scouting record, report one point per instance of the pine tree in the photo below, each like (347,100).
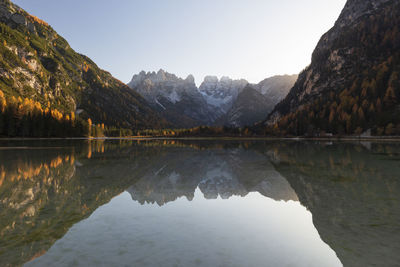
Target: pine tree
(3,104)
(390,97)
(89,128)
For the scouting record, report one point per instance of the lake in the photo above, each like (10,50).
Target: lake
(199,203)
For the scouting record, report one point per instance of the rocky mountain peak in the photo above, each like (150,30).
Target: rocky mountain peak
(218,88)
(357,8)
(190,79)
(221,93)
(178,99)
(225,79)
(351,13)
(161,75)
(210,79)
(215,98)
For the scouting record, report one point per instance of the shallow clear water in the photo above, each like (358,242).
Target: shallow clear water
(199,203)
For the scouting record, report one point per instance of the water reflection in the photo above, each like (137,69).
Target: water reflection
(49,189)
(238,232)
(225,173)
(353,192)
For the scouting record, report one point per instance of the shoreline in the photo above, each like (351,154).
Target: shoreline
(222,138)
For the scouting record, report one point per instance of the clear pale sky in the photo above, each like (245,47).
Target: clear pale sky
(251,39)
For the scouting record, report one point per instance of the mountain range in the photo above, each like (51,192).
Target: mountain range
(217,102)
(38,64)
(351,87)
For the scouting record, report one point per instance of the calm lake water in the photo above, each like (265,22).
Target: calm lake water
(199,203)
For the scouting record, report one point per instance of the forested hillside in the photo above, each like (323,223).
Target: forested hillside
(353,82)
(38,64)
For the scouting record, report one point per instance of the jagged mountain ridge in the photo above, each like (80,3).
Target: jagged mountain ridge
(221,93)
(352,84)
(214,102)
(176,99)
(37,63)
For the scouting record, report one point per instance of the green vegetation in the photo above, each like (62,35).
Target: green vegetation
(38,64)
(39,68)
(201,131)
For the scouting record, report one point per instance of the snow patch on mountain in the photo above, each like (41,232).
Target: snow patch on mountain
(221,93)
(161,105)
(215,102)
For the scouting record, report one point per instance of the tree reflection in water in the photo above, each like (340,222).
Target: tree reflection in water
(352,190)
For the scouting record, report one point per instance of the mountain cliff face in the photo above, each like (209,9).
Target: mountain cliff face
(221,94)
(216,102)
(176,99)
(249,108)
(352,83)
(181,102)
(37,63)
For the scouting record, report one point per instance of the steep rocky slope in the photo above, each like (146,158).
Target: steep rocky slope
(37,63)
(249,108)
(352,83)
(276,88)
(257,100)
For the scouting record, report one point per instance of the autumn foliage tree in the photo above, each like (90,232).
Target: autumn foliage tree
(24,117)
(365,95)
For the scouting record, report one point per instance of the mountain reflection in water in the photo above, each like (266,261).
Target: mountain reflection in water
(247,191)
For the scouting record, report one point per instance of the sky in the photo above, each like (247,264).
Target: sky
(250,39)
